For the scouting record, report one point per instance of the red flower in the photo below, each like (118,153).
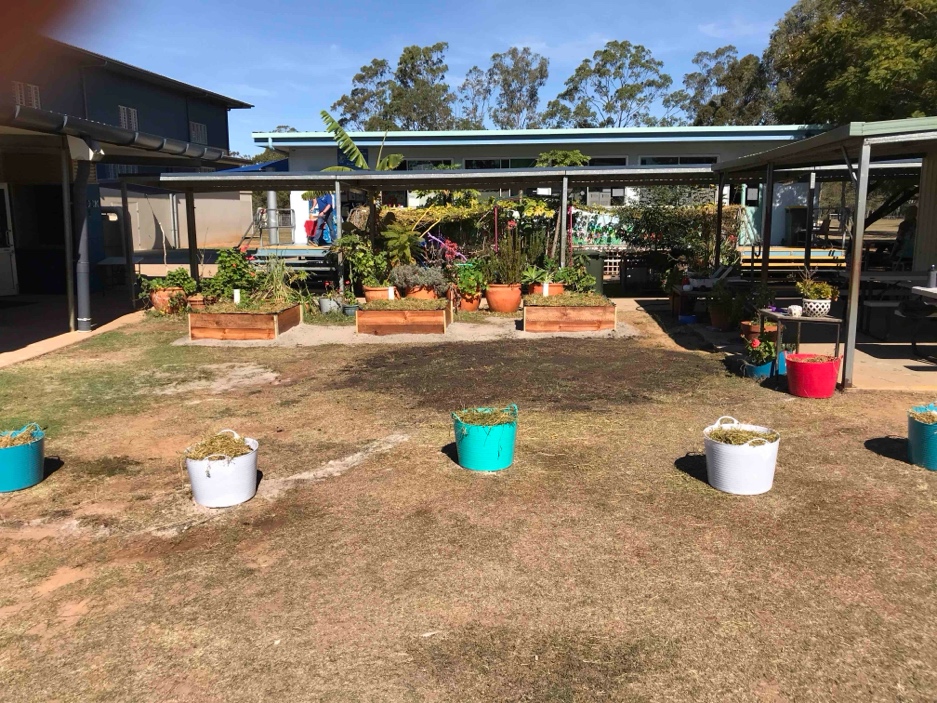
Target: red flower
(756,343)
(512,224)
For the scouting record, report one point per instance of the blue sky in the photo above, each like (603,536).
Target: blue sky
(292,59)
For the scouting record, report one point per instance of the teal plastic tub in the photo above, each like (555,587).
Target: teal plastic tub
(485,447)
(22,466)
(922,440)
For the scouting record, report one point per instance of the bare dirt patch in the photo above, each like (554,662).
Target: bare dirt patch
(222,378)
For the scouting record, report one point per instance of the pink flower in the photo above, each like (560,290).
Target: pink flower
(756,343)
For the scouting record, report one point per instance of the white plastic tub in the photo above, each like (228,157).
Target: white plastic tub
(222,481)
(745,469)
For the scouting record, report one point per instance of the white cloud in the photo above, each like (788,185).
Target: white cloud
(737,28)
(249,91)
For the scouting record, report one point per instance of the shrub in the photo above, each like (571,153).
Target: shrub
(234,271)
(411,276)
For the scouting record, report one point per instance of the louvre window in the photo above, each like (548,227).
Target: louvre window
(128,117)
(26,94)
(198,133)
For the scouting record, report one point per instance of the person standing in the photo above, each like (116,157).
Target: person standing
(325,205)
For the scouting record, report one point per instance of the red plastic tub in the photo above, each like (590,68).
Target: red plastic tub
(812,379)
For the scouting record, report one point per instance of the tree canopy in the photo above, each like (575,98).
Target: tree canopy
(726,90)
(845,60)
(618,87)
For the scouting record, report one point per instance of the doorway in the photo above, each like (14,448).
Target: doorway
(8,282)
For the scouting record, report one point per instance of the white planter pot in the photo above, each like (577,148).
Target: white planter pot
(746,469)
(816,308)
(220,482)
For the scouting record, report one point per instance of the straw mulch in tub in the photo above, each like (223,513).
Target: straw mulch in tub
(15,440)
(222,443)
(736,436)
(487,417)
(926,417)
(817,359)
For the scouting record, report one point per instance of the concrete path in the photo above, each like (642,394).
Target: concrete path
(60,341)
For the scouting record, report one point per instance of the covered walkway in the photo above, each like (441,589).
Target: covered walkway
(857,146)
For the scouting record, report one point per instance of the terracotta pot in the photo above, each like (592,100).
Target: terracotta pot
(555,288)
(720,319)
(162,299)
(470,303)
(379,293)
(503,297)
(752,330)
(421,292)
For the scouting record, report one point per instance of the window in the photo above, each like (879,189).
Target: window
(423,164)
(609,161)
(678,160)
(128,117)
(475,164)
(26,94)
(198,133)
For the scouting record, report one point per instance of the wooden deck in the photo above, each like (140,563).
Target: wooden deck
(793,258)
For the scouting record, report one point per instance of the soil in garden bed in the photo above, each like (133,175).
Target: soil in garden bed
(407,304)
(567,300)
(228,306)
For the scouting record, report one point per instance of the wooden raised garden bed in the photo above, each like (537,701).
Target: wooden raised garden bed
(404,321)
(572,318)
(243,325)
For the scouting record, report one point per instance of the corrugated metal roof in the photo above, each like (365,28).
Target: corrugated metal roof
(495,137)
(892,140)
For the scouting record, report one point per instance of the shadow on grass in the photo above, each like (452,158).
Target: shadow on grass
(50,465)
(890,447)
(693,465)
(450,451)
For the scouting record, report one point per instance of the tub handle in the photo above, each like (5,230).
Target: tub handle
(732,420)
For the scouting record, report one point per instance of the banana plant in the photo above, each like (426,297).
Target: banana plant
(351,150)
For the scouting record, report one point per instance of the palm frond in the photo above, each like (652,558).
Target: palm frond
(390,162)
(345,142)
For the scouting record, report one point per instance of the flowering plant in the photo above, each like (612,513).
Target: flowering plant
(759,351)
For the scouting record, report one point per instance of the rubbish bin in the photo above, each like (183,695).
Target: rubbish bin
(595,265)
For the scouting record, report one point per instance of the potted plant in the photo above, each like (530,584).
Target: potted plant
(818,296)
(374,269)
(168,294)
(761,298)
(222,469)
(331,301)
(922,436)
(506,265)
(419,281)
(762,359)
(485,437)
(22,457)
(349,302)
(469,281)
(542,281)
(740,458)
(812,375)
(725,308)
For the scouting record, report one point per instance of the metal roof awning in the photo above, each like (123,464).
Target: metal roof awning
(126,146)
(891,140)
(581,177)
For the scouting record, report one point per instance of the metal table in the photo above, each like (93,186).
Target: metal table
(784,319)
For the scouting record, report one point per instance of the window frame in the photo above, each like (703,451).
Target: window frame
(127,118)
(197,129)
(679,158)
(27,95)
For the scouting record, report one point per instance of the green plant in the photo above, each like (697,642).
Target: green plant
(402,244)
(568,300)
(534,274)
(277,283)
(177,278)
(508,260)
(348,297)
(235,270)
(759,351)
(812,289)
(722,298)
(761,297)
(412,276)
(575,276)
(469,279)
